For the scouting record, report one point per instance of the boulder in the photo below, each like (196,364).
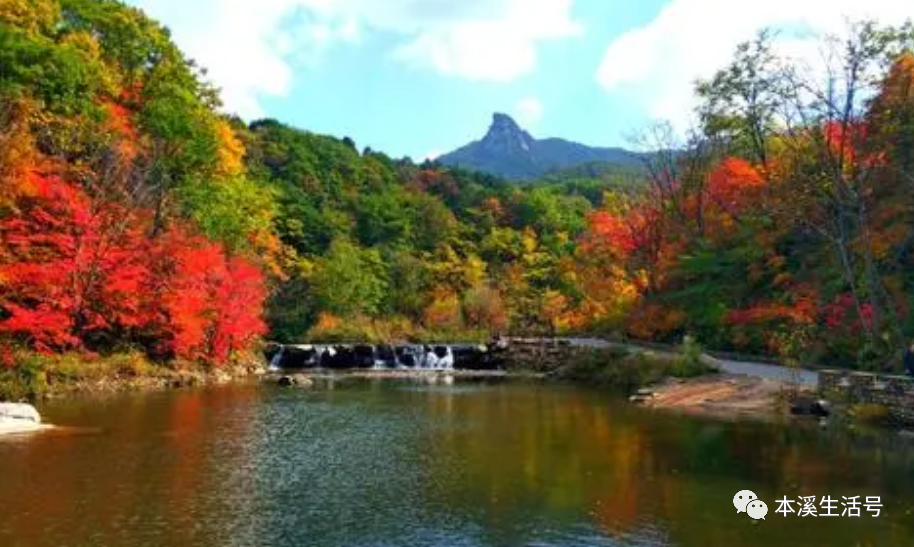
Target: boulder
(295,380)
(20,412)
(287,381)
(808,407)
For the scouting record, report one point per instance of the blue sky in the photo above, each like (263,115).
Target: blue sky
(419,77)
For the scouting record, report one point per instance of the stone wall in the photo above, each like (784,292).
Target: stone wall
(550,354)
(534,354)
(896,393)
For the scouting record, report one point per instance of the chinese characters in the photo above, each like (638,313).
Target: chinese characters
(846,506)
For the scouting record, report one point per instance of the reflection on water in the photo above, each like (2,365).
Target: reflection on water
(395,463)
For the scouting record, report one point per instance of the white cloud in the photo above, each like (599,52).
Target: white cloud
(498,47)
(251,48)
(235,44)
(529,111)
(657,64)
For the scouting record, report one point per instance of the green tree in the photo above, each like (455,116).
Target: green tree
(350,280)
(234,210)
(410,283)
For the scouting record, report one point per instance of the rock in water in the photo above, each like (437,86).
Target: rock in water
(19,411)
(19,418)
(287,381)
(295,380)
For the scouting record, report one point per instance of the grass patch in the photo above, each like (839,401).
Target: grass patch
(626,370)
(869,414)
(33,375)
(25,380)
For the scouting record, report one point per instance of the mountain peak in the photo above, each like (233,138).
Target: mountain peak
(501,120)
(505,136)
(509,151)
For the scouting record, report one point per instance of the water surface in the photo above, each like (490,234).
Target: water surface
(384,463)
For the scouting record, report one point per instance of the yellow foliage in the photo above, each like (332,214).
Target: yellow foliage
(456,272)
(529,241)
(34,16)
(330,328)
(327,321)
(555,304)
(558,312)
(17,151)
(231,151)
(296,265)
(444,312)
(609,294)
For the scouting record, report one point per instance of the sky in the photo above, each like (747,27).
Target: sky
(421,77)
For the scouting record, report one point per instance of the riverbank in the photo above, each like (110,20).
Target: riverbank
(684,379)
(723,395)
(622,368)
(37,377)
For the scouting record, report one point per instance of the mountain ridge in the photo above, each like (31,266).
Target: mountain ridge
(509,151)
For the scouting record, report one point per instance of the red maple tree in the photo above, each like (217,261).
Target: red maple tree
(78,272)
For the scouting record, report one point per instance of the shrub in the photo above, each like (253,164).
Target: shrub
(689,363)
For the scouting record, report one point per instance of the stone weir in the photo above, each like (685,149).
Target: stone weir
(385,356)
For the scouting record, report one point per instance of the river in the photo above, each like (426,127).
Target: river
(402,462)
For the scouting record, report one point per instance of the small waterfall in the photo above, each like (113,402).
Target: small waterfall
(447,362)
(379,362)
(277,359)
(427,359)
(441,357)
